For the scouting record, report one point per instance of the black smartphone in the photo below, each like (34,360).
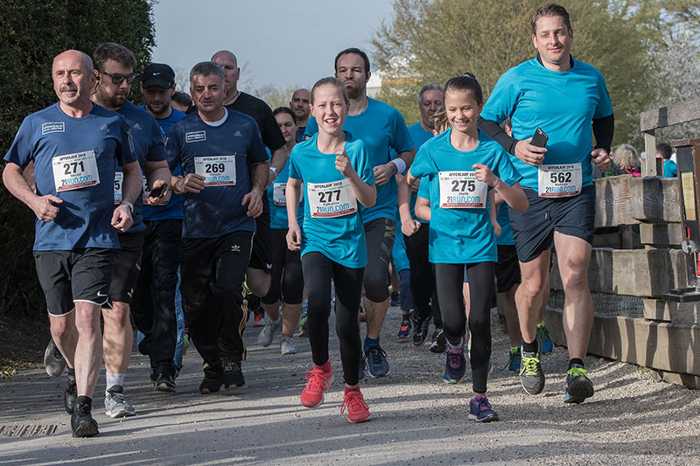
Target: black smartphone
(157,192)
(540,138)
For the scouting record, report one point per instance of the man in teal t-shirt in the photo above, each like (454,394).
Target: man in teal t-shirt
(562,97)
(383,131)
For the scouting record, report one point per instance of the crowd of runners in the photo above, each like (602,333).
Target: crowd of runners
(166,222)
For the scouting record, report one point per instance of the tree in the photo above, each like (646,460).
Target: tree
(433,40)
(32,33)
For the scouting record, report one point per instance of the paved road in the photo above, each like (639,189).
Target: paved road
(416,418)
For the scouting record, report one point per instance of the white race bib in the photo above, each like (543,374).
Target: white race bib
(279,194)
(330,200)
(461,190)
(118,185)
(218,170)
(75,171)
(559,180)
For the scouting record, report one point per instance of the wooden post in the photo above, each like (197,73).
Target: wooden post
(649,167)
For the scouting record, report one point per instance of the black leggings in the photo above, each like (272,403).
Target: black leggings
(318,272)
(422,276)
(450,279)
(287,280)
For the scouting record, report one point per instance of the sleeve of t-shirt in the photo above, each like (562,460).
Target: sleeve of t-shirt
(311,127)
(362,165)
(20,152)
(604,108)
(156,149)
(172,148)
(424,188)
(505,169)
(502,101)
(401,140)
(256,148)
(126,153)
(294,171)
(423,164)
(271,133)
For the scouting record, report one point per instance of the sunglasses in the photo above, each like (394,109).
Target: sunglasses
(117,78)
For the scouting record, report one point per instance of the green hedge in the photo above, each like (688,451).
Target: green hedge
(32,32)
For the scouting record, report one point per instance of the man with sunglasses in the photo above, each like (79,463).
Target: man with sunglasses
(115,64)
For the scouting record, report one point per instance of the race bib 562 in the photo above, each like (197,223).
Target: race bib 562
(562,180)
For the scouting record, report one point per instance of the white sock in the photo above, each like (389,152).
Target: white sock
(115,379)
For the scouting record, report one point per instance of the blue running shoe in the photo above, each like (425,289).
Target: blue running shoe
(455,364)
(377,364)
(480,410)
(513,364)
(404,330)
(544,341)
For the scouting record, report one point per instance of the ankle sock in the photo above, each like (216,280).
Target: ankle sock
(575,362)
(114,379)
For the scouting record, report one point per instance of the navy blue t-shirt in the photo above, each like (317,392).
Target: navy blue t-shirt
(223,155)
(148,143)
(173,210)
(75,160)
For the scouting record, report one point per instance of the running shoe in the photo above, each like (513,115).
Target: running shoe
(287,346)
(404,330)
(354,407)
(258,317)
(513,363)
(544,340)
(116,404)
(233,374)
(212,381)
(439,342)
(420,330)
(455,364)
(70,394)
(480,409)
(164,381)
(377,364)
(578,385)
(267,334)
(81,421)
(531,375)
(318,381)
(53,360)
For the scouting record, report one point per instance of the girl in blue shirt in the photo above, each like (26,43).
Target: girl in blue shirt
(337,174)
(458,169)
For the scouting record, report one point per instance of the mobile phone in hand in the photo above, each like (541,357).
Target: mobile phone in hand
(540,138)
(157,192)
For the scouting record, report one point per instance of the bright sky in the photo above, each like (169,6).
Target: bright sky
(280,43)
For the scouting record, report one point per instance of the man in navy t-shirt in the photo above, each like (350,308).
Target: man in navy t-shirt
(154,307)
(115,65)
(75,147)
(225,171)
(300,103)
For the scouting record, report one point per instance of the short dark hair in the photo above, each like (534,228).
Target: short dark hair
(551,9)
(426,88)
(665,149)
(356,51)
(332,81)
(286,110)
(206,68)
(113,51)
(466,82)
(182,98)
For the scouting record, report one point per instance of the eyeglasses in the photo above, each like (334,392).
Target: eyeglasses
(117,78)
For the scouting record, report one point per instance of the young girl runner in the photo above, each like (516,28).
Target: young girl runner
(458,168)
(287,280)
(337,175)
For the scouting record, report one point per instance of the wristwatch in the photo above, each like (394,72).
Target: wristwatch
(129,205)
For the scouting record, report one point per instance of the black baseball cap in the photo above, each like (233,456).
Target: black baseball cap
(158,75)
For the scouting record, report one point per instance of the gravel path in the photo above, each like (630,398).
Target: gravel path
(417,419)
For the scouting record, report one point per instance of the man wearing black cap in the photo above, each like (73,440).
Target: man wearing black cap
(155,310)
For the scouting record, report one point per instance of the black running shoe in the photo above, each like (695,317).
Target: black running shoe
(212,381)
(233,374)
(70,394)
(439,342)
(578,385)
(420,330)
(164,382)
(81,421)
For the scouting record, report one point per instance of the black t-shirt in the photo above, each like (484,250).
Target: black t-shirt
(261,112)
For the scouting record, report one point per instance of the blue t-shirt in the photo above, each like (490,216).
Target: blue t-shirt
(670,168)
(562,104)
(419,136)
(278,210)
(84,218)
(503,218)
(382,128)
(147,138)
(460,236)
(341,239)
(173,210)
(216,210)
